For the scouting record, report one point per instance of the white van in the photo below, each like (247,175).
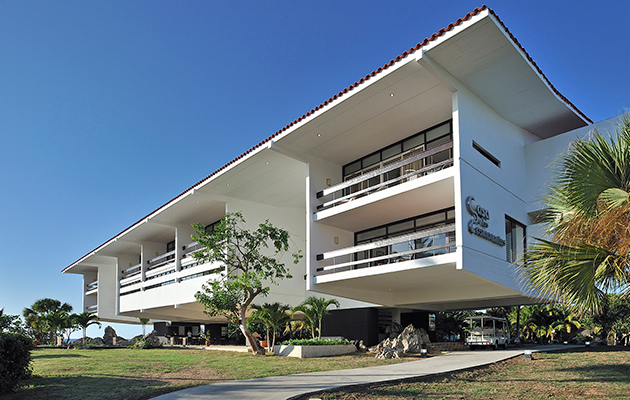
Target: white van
(484,330)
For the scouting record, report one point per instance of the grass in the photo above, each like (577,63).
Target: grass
(142,374)
(601,372)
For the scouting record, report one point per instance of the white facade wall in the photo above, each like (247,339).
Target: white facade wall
(501,190)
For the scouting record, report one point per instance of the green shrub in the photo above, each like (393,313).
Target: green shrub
(315,342)
(15,361)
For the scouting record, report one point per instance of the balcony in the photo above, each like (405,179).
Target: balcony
(93,308)
(91,288)
(398,249)
(131,271)
(407,167)
(161,260)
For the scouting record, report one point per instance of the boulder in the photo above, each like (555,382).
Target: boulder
(109,335)
(393,330)
(152,340)
(410,340)
(388,348)
(97,341)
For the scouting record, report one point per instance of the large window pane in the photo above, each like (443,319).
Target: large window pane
(430,220)
(514,240)
(437,132)
(413,142)
(391,151)
(371,160)
(401,227)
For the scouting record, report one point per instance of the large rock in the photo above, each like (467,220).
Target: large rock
(393,330)
(109,335)
(410,340)
(151,340)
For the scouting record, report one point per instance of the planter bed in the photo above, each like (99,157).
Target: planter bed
(314,351)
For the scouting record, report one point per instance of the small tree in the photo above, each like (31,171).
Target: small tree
(144,322)
(315,309)
(84,320)
(247,268)
(37,317)
(273,316)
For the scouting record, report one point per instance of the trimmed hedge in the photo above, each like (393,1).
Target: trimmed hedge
(15,361)
(315,342)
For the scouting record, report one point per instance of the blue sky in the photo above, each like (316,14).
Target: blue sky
(110,109)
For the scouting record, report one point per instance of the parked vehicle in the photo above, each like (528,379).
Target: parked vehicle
(484,331)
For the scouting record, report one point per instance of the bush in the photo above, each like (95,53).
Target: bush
(315,342)
(15,361)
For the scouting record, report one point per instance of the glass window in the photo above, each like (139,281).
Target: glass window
(430,220)
(514,240)
(371,160)
(371,234)
(450,215)
(350,168)
(391,151)
(437,142)
(170,246)
(439,131)
(400,228)
(442,133)
(413,142)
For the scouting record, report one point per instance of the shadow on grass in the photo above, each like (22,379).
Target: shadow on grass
(594,349)
(96,388)
(69,355)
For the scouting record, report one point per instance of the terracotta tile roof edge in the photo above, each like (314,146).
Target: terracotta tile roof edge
(367,77)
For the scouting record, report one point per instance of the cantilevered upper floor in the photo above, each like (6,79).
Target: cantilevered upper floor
(375,183)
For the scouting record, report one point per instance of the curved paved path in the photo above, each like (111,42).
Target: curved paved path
(288,386)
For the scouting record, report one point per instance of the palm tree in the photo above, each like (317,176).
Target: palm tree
(272,316)
(315,309)
(144,322)
(35,316)
(587,217)
(59,322)
(86,319)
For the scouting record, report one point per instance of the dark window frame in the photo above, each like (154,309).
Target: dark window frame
(510,254)
(486,154)
(425,143)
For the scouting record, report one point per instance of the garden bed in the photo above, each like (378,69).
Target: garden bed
(314,351)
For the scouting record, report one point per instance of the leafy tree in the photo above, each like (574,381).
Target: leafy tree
(315,309)
(86,319)
(587,215)
(6,320)
(144,322)
(251,259)
(451,323)
(273,316)
(61,322)
(612,320)
(37,317)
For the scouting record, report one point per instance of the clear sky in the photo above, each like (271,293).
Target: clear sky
(110,109)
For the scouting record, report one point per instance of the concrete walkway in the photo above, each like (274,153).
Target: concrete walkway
(288,386)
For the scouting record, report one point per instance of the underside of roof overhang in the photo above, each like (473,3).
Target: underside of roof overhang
(484,57)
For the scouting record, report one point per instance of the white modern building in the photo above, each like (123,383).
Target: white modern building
(410,191)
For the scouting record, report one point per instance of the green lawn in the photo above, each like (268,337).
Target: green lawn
(597,373)
(141,374)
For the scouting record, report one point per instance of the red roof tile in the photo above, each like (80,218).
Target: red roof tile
(367,77)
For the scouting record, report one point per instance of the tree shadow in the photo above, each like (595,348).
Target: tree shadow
(115,387)
(43,356)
